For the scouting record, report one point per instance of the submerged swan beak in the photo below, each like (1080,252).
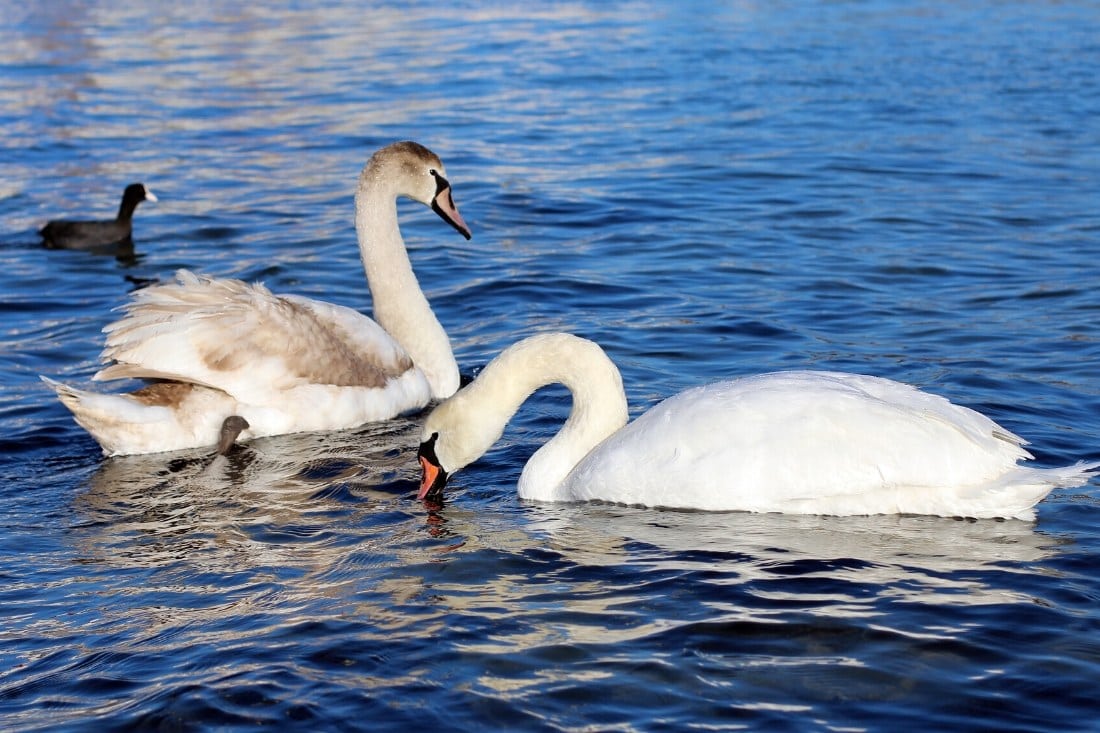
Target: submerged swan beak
(433,478)
(444,205)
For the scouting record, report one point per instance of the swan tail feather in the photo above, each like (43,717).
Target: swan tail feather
(1015,494)
(119,423)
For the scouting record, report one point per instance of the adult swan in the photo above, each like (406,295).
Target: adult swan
(795,442)
(222,348)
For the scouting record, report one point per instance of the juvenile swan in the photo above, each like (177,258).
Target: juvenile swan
(283,364)
(799,442)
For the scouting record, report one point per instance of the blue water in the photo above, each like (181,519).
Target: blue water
(904,189)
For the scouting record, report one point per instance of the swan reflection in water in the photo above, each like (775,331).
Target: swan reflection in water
(328,522)
(269,502)
(754,567)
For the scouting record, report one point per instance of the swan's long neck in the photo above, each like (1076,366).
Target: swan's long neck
(399,304)
(599,402)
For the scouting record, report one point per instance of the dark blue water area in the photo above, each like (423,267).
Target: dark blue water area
(707,190)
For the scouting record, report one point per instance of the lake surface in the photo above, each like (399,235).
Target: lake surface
(904,189)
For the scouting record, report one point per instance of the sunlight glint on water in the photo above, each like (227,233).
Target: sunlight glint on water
(903,190)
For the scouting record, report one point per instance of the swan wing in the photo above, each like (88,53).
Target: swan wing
(246,341)
(796,441)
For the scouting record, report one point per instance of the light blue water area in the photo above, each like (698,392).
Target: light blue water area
(908,190)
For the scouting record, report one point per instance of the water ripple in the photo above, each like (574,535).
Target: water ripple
(707,193)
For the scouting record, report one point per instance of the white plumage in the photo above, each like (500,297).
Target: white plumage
(799,442)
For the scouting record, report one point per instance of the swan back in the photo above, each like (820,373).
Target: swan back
(244,340)
(807,442)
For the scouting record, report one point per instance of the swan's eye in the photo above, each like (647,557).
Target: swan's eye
(440,182)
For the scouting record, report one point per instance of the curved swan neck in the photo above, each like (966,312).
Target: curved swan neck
(399,304)
(599,403)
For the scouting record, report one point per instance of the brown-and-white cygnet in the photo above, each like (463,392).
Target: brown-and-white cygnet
(218,347)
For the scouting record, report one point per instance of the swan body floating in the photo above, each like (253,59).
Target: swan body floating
(216,348)
(800,442)
(90,235)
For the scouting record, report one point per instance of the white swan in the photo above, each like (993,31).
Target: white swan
(218,348)
(798,442)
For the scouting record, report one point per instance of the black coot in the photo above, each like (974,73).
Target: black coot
(68,234)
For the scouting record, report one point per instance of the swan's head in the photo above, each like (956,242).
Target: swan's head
(417,173)
(456,433)
(433,477)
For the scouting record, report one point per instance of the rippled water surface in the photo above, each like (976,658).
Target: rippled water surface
(909,190)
